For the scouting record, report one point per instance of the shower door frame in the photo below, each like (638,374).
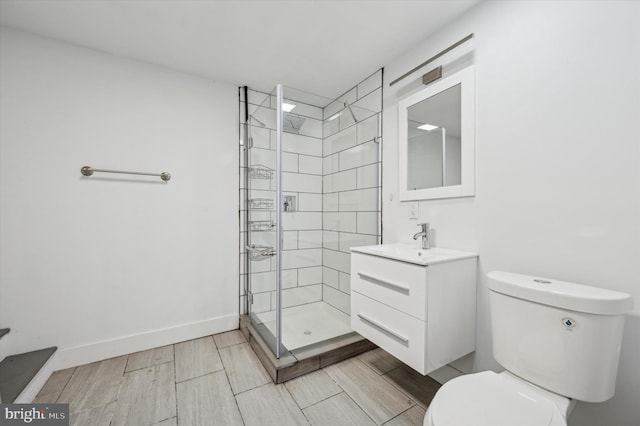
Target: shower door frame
(278,204)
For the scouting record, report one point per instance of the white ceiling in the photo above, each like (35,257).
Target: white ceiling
(321,46)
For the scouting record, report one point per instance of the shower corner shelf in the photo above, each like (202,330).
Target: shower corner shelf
(259,252)
(259,171)
(261,225)
(261,204)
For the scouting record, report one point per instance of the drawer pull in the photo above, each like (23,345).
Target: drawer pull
(394,286)
(384,329)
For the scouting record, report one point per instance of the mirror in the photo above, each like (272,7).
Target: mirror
(436,140)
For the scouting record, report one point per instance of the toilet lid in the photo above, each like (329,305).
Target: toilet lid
(488,399)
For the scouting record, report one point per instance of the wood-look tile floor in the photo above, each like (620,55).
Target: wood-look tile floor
(218,380)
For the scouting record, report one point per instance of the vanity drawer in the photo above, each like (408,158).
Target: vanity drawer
(396,332)
(398,284)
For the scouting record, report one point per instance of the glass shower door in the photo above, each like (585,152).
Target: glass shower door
(263,225)
(313,180)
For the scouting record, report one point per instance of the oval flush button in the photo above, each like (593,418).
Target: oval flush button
(568,322)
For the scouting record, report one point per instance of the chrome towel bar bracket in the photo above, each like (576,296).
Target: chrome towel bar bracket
(88,171)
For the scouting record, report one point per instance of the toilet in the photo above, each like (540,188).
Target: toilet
(559,343)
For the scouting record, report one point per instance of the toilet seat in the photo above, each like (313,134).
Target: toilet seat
(491,399)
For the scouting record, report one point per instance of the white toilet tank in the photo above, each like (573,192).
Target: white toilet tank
(561,336)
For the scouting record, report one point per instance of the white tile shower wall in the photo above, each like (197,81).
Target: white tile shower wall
(359,200)
(302,166)
(336,298)
(330,202)
(340,141)
(263,281)
(290,162)
(368,105)
(350,184)
(343,222)
(345,283)
(341,181)
(302,221)
(309,202)
(299,182)
(359,155)
(301,144)
(289,240)
(309,239)
(310,165)
(330,164)
(340,261)
(369,129)
(330,277)
(368,223)
(368,176)
(312,275)
(347,240)
(293,259)
(299,295)
(331,240)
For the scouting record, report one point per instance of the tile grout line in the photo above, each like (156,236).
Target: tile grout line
(324,399)
(349,396)
(410,408)
(255,387)
(234,396)
(387,379)
(175,382)
(234,344)
(224,369)
(371,368)
(295,402)
(358,405)
(65,385)
(127,363)
(288,392)
(382,376)
(197,377)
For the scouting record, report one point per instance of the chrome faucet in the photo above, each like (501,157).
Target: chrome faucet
(426,239)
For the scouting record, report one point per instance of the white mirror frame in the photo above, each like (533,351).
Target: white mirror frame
(466,78)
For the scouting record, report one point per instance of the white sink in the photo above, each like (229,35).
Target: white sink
(414,254)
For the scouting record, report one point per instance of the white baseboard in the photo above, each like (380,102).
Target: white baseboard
(97,351)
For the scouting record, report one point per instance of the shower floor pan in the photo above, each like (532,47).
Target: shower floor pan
(315,334)
(307,324)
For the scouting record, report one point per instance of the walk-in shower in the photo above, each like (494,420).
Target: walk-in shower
(310,190)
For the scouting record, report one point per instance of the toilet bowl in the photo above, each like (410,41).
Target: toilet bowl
(539,327)
(492,399)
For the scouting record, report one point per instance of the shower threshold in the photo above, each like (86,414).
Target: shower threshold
(316,335)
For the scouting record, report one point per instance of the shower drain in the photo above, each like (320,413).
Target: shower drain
(307,333)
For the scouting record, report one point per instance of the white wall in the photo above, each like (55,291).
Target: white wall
(558,160)
(112,263)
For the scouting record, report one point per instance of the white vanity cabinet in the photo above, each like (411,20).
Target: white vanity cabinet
(422,310)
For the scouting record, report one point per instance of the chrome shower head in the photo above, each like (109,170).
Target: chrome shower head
(292,123)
